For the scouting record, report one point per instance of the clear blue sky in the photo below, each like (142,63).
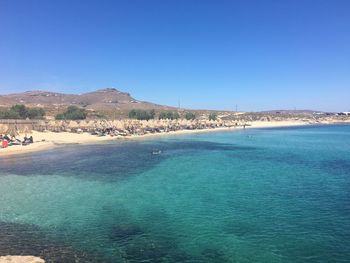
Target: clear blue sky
(208,54)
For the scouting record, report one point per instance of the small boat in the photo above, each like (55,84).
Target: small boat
(157,152)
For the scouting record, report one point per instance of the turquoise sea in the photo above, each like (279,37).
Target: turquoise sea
(256,195)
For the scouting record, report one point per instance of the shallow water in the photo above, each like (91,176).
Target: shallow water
(262,195)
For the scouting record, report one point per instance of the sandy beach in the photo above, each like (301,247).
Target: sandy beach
(20,259)
(49,140)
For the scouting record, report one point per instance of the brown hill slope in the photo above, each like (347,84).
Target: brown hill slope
(103,101)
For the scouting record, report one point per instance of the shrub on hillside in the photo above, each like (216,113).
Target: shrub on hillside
(21,112)
(190,116)
(36,113)
(141,114)
(169,115)
(72,113)
(213,116)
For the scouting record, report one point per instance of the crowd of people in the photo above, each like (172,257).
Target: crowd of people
(7,140)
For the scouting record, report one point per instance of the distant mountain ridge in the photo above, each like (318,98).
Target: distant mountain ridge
(102,100)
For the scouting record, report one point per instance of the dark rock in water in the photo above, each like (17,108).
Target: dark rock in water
(125,231)
(21,239)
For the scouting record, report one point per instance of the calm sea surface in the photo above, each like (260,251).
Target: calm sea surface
(260,195)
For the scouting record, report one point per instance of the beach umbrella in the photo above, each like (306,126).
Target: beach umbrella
(3,128)
(99,125)
(52,122)
(118,124)
(84,124)
(12,131)
(27,130)
(71,125)
(56,125)
(110,124)
(64,124)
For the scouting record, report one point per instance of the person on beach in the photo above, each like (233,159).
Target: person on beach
(27,140)
(3,141)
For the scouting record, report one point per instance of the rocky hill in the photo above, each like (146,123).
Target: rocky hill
(103,101)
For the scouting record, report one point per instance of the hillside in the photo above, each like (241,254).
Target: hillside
(104,101)
(112,103)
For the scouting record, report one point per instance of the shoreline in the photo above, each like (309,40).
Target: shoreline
(51,140)
(20,259)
